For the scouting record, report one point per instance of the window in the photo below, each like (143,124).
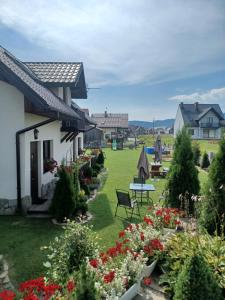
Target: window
(47,154)
(191,131)
(210,120)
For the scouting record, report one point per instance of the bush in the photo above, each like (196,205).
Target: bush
(100,159)
(196,153)
(86,189)
(82,204)
(69,250)
(85,288)
(196,282)
(183,175)
(205,161)
(87,172)
(213,210)
(63,202)
(97,168)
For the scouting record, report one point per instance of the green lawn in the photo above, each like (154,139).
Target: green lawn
(21,238)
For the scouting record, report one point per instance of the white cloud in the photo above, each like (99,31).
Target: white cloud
(125,42)
(210,96)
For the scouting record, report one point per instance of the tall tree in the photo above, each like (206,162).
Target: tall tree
(196,153)
(183,175)
(212,216)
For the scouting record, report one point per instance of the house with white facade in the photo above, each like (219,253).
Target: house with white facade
(112,125)
(203,121)
(37,125)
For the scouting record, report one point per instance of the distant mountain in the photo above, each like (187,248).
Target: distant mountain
(157,123)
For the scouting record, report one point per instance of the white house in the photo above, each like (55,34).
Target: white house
(37,124)
(204,121)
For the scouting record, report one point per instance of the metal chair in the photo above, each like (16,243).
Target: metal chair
(124,200)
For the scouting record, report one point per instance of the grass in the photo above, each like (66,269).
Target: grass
(21,238)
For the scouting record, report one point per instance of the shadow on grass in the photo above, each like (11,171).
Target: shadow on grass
(102,212)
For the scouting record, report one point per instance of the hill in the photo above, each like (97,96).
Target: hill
(157,123)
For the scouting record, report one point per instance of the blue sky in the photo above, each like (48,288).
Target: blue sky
(145,55)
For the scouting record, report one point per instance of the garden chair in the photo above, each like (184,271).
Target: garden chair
(124,200)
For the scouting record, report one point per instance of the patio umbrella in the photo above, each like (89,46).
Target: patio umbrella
(143,166)
(158,149)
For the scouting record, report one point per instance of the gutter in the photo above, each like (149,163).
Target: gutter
(18,165)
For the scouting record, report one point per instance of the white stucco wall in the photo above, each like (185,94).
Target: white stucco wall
(81,136)
(11,120)
(60,151)
(179,122)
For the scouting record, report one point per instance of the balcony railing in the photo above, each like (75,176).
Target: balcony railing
(210,125)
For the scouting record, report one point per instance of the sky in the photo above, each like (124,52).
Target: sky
(144,56)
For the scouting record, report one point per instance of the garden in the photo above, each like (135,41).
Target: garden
(182,236)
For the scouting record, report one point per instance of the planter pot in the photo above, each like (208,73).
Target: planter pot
(147,271)
(131,292)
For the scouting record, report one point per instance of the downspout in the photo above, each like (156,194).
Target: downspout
(18,165)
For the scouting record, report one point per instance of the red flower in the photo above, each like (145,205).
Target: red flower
(147,280)
(7,295)
(142,237)
(33,284)
(31,297)
(167,219)
(158,212)
(122,234)
(148,249)
(112,252)
(148,221)
(109,277)
(104,257)
(156,244)
(137,226)
(130,228)
(177,222)
(49,290)
(70,286)
(94,263)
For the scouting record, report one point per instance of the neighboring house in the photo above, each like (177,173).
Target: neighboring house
(37,124)
(204,121)
(112,125)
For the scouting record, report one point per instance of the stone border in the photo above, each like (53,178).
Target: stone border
(5,283)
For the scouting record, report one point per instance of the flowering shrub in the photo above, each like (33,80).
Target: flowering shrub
(67,252)
(163,217)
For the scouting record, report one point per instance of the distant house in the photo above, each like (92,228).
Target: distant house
(112,125)
(204,121)
(37,125)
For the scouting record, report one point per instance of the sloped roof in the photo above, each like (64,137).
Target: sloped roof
(111,120)
(13,70)
(57,72)
(83,114)
(61,74)
(192,113)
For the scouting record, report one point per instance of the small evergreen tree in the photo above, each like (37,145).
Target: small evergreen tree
(205,161)
(213,210)
(100,159)
(63,202)
(183,175)
(196,281)
(85,288)
(196,153)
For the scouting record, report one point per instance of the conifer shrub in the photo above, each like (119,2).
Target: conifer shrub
(196,153)
(85,288)
(64,201)
(205,161)
(213,207)
(183,175)
(196,281)
(100,159)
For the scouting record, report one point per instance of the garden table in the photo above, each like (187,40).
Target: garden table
(139,187)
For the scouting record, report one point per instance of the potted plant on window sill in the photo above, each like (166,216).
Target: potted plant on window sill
(50,165)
